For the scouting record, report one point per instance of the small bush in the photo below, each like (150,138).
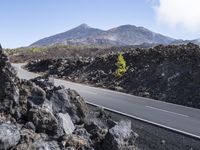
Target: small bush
(121,66)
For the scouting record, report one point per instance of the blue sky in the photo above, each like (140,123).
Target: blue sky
(25,21)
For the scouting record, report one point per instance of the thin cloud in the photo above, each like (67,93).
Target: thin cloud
(184,14)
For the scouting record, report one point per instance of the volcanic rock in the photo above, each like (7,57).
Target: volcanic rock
(37,115)
(44,120)
(165,73)
(66,123)
(9,136)
(120,137)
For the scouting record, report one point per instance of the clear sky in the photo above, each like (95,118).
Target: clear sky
(26,21)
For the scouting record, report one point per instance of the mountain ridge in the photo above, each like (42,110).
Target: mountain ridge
(121,35)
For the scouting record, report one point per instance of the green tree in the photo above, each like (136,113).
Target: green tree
(121,66)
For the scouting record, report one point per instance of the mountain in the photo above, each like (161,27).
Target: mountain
(122,35)
(132,35)
(64,38)
(179,42)
(196,41)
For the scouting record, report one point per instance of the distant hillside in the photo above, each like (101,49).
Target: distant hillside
(122,35)
(179,42)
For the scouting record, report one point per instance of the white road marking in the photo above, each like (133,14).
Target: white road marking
(166,111)
(147,121)
(135,117)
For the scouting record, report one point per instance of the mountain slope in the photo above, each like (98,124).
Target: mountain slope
(122,35)
(79,32)
(179,42)
(132,35)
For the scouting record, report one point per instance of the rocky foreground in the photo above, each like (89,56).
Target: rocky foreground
(166,73)
(36,115)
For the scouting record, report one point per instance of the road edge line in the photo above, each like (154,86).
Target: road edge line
(146,121)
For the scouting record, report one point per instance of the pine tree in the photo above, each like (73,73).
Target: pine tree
(121,66)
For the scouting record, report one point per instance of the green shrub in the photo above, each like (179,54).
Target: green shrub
(121,66)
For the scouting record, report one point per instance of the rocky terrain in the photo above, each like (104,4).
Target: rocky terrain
(26,54)
(122,35)
(36,115)
(166,73)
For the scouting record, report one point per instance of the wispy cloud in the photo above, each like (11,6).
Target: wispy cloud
(184,14)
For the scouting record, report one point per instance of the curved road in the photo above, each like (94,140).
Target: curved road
(175,117)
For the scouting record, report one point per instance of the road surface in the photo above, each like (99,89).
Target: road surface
(178,118)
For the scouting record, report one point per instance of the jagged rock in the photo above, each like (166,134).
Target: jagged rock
(79,103)
(111,123)
(45,145)
(44,120)
(66,123)
(37,97)
(83,133)
(9,92)
(77,142)
(27,138)
(68,101)
(6,118)
(9,136)
(120,137)
(29,125)
(97,126)
(60,101)
(30,97)
(44,82)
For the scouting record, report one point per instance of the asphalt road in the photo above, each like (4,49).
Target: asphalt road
(178,118)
